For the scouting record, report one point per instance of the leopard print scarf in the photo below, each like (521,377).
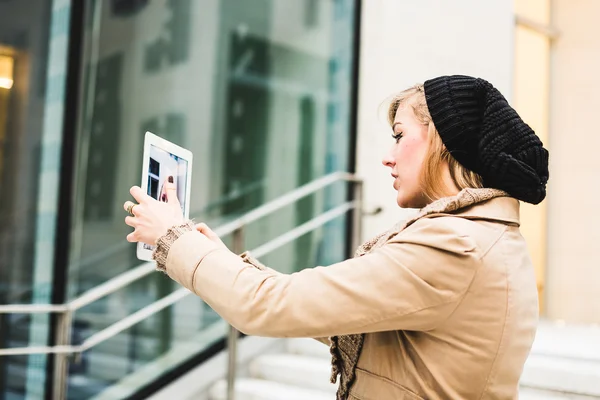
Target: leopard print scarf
(345,350)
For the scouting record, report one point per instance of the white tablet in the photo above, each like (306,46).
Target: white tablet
(163,159)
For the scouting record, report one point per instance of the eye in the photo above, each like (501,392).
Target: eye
(397,136)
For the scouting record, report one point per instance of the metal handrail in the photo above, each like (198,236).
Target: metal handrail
(63,347)
(174,297)
(285,200)
(33,308)
(126,278)
(209,207)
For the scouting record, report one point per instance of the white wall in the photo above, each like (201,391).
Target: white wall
(573,235)
(407,42)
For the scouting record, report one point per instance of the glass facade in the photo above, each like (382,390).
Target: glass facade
(259,90)
(33,49)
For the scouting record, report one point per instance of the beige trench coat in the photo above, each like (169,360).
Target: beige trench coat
(449,305)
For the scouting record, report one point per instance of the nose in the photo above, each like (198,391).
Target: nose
(388,161)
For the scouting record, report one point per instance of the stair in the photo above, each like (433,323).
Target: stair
(564,359)
(562,375)
(258,389)
(302,372)
(294,369)
(540,394)
(564,364)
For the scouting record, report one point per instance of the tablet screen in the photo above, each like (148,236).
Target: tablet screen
(161,166)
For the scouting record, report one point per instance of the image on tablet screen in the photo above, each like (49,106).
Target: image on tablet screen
(162,165)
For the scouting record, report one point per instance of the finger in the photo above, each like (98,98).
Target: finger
(132,237)
(171,191)
(203,229)
(139,194)
(129,204)
(209,233)
(131,221)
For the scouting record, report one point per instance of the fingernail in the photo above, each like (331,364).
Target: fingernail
(164,197)
(170,179)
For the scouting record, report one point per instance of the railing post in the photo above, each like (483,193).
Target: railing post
(357,217)
(232,339)
(61,360)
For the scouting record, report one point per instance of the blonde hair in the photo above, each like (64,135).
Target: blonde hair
(432,184)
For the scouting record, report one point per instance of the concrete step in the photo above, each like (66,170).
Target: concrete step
(308,347)
(258,389)
(564,358)
(570,362)
(307,365)
(547,379)
(291,369)
(562,374)
(539,394)
(571,341)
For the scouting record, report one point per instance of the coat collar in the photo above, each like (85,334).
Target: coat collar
(476,204)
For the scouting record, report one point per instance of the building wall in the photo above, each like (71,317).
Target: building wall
(573,236)
(406,42)
(531,90)
(551,83)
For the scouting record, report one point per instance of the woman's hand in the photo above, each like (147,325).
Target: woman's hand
(152,218)
(206,231)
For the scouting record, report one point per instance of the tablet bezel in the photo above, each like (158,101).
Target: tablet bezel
(151,139)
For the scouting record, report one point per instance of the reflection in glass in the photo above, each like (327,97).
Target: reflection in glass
(259,91)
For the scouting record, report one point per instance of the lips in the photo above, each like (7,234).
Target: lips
(395,180)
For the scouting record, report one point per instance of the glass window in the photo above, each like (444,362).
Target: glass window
(260,92)
(33,48)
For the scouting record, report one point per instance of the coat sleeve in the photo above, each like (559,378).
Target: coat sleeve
(414,282)
(248,258)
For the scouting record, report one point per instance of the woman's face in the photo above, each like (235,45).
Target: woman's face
(407,157)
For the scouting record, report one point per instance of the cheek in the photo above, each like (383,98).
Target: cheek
(410,155)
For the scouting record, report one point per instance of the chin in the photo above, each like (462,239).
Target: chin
(402,204)
(410,201)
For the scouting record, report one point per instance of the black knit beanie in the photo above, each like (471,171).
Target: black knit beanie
(486,135)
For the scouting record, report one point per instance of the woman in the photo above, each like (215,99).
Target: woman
(442,306)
